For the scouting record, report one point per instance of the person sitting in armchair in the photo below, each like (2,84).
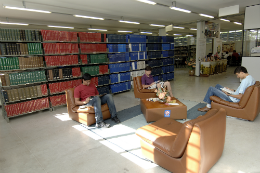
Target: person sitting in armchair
(148,81)
(87,94)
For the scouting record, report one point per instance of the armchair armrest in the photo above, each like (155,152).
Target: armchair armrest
(147,90)
(223,102)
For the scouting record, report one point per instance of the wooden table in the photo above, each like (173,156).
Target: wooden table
(154,111)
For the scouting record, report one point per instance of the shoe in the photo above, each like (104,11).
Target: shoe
(102,125)
(205,109)
(116,120)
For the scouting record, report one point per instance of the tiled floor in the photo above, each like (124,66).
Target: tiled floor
(49,142)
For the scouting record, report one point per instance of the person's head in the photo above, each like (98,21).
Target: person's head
(148,70)
(226,52)
(86,79)
(241,72)
(234,51)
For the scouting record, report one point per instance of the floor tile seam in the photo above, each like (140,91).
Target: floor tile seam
(28,149)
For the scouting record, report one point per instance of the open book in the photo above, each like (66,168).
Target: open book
(228,91)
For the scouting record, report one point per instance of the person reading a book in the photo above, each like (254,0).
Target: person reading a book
(228,94)
(149,83)
(87,94)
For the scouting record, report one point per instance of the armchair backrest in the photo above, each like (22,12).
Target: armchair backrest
(138,83)
(70,102)
(250,92)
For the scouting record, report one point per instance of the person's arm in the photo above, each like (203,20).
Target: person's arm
(239,96)
(96,91)
(146,86)
(80,103)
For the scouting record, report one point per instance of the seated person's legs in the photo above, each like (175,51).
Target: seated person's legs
(168,85)
(112,109)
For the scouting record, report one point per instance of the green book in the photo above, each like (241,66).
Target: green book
(23,78)
(13,35)
(3,63)
(19,81)
(18,35)
(7,62)
(5,34)
(29,48)
(33,77)
(1,36)
(26,35)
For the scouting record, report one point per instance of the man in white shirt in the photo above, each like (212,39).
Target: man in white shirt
(226,55)
(247,80)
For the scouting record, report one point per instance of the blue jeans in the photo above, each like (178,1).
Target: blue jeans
(216,92)
(97,101)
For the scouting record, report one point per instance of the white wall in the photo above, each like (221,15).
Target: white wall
(209,48)
(252,66)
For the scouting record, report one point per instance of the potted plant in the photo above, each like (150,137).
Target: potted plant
(191,63)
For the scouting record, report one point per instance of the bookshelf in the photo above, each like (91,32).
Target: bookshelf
(41,65)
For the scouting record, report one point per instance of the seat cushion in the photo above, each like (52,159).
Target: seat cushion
(170,136)
(90,109)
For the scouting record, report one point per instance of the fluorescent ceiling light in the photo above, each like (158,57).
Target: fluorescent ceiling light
(176,34)
(68,27)
(231,31)
(205,15)
(88,17)
(157,25)
(123,31)
(146,32)
(124,21)
(94,29)
(178,27)
(180,9)
(147,1)
(237,23)
(239,30)
(189,35)
(8,23)
(193,29)
(26,9)
(225,20)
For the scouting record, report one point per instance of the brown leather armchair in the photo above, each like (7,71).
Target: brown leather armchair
(85,116)
(194,146)
(248,107)
(140,92)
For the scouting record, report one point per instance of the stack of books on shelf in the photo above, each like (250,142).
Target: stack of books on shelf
(56,74)
(156,71)
(154,39)
(30,62)
(92,37)
(119,67)
(167,69)
(59,87)
(91,48)
(113,38)
(58,100)
(167,39)
(24,93)
(167,53)
(76,72)
(156,62)
(115,88)
(119,57)
(103,90)
(10,63)
(60,48)
(138,65)
(84,59)
(138,55)
(92,70)
(118,47)
(168,61)
(22,78)
(27,107)
(136,38)
(137,47)
(19,35)
(61,60)
(49,35)
(98,58)
(154,46)
(103,69)
(121,77)
(20,48)
(154,55)
(103,80)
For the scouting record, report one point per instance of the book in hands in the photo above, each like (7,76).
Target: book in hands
(228,90)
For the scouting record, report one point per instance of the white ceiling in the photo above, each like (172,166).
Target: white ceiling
(114,10)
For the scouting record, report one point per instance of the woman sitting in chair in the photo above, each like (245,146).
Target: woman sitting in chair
(148,81)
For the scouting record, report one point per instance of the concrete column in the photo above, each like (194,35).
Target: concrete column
(200,46)
(162,32)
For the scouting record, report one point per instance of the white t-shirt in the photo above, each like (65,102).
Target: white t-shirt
(245,83)
(225,57)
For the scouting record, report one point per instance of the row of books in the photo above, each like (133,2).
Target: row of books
(27,107)
(118,47)
(20,48)
(120,87)
(113,38)
(96,58)
(154,47)
(61,60)
(156,71)
(168,76)
(119,67)
(103,90)
(58,100)
(22,78)
(154,54)
(62,86)
(11,63)
(168,46)
(92,70)
(168,39)
(138,65)
(100,80)
(167,53)
(167,61)
(154,39)
(92,37)
(19,35)
(25,93)
(153,63)
(56,74)
(137,47)
(90,48)
(50,35)
(137,73)
(60,48)
(138,55)
(118,57)
(136,38)
(121,77)
(167,69)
